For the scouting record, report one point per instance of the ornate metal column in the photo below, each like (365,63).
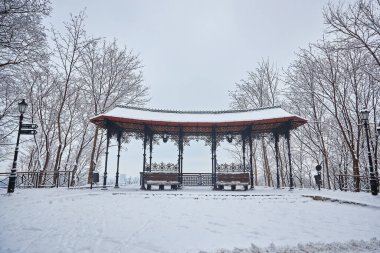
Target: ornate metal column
(180,155)
(106,161)
(144,157)
(119,133)
(243,136)
(276,140)
(150,150)
(287,136)
(251,158)
(213,156)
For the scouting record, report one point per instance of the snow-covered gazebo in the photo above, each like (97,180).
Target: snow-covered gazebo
(213,126)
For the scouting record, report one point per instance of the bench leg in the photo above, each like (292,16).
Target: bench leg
(233,187)
(221,187)
(174,187)
(149,187)
(161,187)
(245,187)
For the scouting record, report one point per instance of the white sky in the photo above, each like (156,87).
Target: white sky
(194,52)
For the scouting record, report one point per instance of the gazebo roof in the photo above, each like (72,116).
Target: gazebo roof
(261,120)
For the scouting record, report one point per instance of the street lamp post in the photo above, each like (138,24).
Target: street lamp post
(12,178)
(318,177)
(373,182)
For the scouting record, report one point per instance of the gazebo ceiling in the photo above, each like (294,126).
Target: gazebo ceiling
(262,120)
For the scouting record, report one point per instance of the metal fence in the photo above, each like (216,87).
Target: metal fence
(38,179)
(349,182)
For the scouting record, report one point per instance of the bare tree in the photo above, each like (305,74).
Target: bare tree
(329,84)
(110,76)
(69,47)
(359,24)
(22,35)
(22,44)
(260,89)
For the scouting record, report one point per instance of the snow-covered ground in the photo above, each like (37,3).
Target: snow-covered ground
(188,220)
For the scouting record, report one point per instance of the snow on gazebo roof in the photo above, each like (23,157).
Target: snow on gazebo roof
(263,119)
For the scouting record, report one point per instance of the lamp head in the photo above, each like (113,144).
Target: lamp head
(22,106)
(364,114)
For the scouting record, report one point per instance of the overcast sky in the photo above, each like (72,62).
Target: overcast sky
(195,51)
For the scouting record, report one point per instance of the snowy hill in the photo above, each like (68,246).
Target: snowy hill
(188,220)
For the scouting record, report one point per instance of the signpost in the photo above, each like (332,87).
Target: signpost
(29,126)
(23,131)
(28,129)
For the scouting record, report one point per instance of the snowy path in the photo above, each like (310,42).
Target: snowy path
(189,220)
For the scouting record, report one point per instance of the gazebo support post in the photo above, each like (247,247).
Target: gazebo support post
(106,161)
(118,158)
(287,136)
(213,157)
(276,140)
(251,158)
(150,151)
(179,158)
(180,155)
(181,176)
(144,157)
(243,136)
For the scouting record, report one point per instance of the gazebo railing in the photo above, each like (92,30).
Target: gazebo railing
(197,179)
(193,179)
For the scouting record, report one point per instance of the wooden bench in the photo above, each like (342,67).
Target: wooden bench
(232,179)
(161,179)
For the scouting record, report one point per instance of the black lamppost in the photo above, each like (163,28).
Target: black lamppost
(372,181)
(318,177)
(12,178)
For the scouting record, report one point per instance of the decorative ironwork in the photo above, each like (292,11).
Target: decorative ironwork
(197,179)
(226,168)
(348,182)
(166,167)
(206,179)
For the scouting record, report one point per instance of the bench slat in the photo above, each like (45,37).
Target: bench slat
(158,176)
(150,182)
(233,178)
